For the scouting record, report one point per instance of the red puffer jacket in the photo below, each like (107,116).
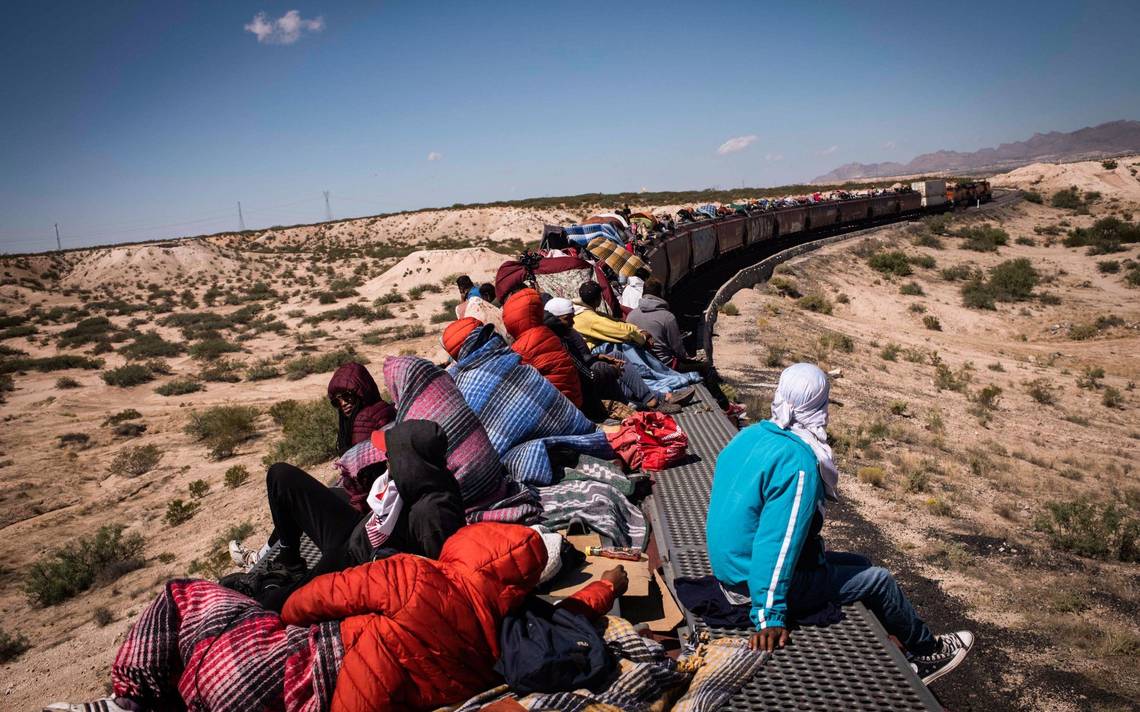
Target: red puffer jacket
(538,345)
(419,633)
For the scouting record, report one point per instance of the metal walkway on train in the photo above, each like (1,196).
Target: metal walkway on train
(851,665)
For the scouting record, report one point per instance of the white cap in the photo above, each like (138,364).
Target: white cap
(559,306)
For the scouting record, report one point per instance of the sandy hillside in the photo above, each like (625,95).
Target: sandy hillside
(193,259)
(484,224)
(958,429)
(1121,182)
(432,266)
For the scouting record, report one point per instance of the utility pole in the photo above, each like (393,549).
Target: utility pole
(58,244)
(328,210)
(241,219)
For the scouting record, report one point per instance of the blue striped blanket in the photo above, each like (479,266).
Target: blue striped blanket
(524,415)
(582,234)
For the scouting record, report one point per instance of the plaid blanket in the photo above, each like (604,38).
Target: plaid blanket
(582,234)
(620,260)
(424,391)
(592,494)
(648,677)
(202,646)
(524,415)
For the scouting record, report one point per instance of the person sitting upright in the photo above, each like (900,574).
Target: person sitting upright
(602,376)
(467,288)
(597,328)
(608,335)
(652,316)
(763,531)
(360,408)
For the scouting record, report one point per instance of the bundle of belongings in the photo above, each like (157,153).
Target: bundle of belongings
(635,675)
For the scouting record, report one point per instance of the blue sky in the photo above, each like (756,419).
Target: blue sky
(132,120)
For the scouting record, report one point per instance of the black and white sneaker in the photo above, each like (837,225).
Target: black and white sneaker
(107,704)
(952,649)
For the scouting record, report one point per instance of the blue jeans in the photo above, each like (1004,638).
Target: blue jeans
(847,578)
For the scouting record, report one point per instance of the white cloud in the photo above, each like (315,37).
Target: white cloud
(736,144)
(284,30)
(773,156)
(890,145)
(827,151)
(433,156)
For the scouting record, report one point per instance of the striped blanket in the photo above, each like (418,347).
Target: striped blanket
(524,415)
(423,391)
(582,234)
(648,678)
(620,260)
(594,494)
(204,647)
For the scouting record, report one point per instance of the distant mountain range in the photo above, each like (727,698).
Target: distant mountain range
(1113,138)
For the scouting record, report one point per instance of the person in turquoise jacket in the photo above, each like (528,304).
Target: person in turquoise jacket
(769,493)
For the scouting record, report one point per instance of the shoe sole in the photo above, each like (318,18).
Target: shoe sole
(683,400)
(954,662)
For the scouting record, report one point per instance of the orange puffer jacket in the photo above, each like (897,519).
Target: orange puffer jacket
(419,633)
(538,345)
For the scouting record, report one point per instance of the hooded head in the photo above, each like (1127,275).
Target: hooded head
(351,390)
(801,397)
(522,311)
(354,379)
(456,333)
(504,560)
(800,406)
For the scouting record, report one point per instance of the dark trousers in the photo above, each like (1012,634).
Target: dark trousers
(432,511)
(621,383)
(300,504)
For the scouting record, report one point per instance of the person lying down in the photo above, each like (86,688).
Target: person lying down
(402,633)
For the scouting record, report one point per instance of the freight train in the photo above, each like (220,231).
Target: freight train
(691,246)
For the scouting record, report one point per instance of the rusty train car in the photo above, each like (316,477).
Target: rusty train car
(692,246)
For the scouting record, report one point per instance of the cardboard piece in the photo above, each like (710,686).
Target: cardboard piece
(638,571)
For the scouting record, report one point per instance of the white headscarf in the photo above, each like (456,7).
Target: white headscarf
(800,406)
(634,289)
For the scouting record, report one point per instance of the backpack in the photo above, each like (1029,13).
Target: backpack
(546,648)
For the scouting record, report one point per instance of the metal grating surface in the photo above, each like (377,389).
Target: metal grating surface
(309,550)
(850,665)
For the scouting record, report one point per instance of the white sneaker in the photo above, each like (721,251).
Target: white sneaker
(107,704)
(244,557)
(951,650)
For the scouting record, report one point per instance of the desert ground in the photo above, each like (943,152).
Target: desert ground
(987,448)
(241,331)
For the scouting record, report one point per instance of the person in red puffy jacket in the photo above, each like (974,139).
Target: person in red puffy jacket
(402,633)
(538,345)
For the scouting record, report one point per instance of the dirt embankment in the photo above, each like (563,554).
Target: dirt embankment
(980,448)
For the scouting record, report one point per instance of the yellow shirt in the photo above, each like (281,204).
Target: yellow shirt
(596,328)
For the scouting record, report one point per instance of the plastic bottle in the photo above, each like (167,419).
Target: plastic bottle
(624,553)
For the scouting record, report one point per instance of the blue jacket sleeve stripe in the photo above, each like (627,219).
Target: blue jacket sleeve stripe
(788,533)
